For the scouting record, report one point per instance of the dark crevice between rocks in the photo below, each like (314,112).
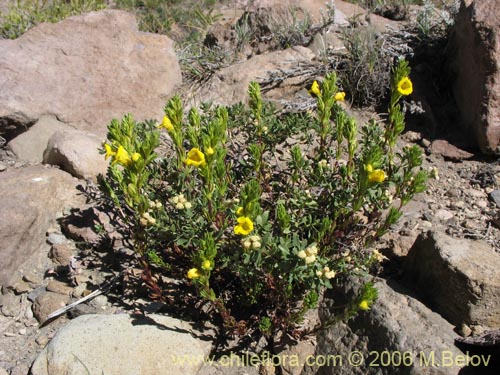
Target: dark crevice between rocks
(13,125)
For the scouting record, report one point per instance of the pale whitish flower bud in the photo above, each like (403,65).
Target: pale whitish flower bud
(179,206)
(188,205)
(379,257)
(346,253)
(152,204)
(323,163)
(319,273)
(302,254)
(434,172)
(256,245)
(312,250)
(265,129)
(175,200)
(247,244)
(152,221)
(330,275)
(308,193)
(158,204)
(144,221)
(310,259)
(348,259)
(255,238)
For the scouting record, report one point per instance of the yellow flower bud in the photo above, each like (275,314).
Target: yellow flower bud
(193,273)
(167,124)
(136,156)
(206,265)
(340,96)
(363,305)
(314,90)
(209,151)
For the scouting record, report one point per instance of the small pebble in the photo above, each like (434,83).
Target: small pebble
(42,340)
(482,203)
(22,331)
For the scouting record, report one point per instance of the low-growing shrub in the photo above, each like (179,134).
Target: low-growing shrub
(255,228)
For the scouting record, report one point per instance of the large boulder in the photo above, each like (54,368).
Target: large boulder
(31,200)
(459,278)
(474,55)
(123,345)
(398,335)
(85,71)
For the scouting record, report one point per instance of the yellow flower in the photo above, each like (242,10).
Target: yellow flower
(109,151)
(340,96)
(377,175)
(195,158)
(363,305)
(136,156)
(167,124)
(206,265)
(244,227)
(405,87)
(209,151)
(314,90)
(193,273)
(239,211)
(122,157)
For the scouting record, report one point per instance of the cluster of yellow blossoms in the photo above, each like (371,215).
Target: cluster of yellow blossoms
(315,90)
(120,156)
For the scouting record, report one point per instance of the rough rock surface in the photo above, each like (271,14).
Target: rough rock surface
(139,345)
(396,323)
(474,58)
(31,199)
(31,144)
(459,278)
(85,70)
(77,153)
(230,85)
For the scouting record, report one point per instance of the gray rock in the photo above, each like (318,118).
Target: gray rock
(30,200)
(85,70)
(158,343)
(495,197)
(77,153)
(397,324)
(449,151)
(57,239)
(31,144)
(459,278)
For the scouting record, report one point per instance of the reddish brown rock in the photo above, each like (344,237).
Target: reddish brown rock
(474,55)
(449,151)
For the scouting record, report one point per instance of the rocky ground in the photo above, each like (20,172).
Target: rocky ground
(441,281)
